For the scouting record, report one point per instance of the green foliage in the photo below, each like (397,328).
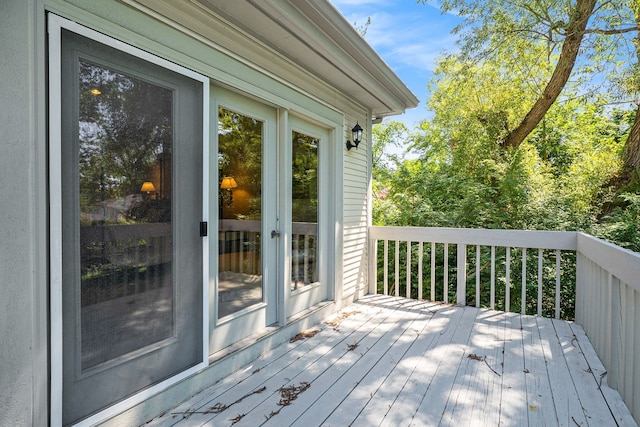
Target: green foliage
(622,225)
(566,175)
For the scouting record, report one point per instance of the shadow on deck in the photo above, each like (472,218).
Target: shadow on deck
(388,361)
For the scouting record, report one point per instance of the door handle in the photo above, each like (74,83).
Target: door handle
(275,233)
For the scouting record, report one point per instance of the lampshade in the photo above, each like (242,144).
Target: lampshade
(228,182)
(148,187)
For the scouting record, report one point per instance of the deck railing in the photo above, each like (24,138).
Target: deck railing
(608,308)
(565,275)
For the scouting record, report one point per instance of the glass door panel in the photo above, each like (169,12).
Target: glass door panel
(239,212)
(306,193)
(244,188)
(126,267)
(131,205)
(304,210)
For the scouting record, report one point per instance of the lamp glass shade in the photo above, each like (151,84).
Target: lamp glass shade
(148,187)
(357,132)
(228,182)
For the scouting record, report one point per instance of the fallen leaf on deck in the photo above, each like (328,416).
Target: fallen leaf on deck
(335,322)
(304,334)
(291,393)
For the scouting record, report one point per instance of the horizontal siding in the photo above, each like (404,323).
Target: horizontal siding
(355,209)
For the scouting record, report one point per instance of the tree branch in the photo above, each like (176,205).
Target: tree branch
(611,32)
(566,61)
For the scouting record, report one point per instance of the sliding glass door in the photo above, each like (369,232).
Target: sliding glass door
(131,181)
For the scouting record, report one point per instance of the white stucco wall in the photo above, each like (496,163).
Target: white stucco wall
(23,355)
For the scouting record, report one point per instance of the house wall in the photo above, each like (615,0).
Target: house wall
(357,166)
(24,272)
(23,241)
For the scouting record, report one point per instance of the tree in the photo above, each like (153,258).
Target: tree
(556,179)
(495,26)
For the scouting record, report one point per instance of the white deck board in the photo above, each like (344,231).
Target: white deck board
(411,396)
(539,398)
(411,366)
(617,407)
(391,394)
(595,407)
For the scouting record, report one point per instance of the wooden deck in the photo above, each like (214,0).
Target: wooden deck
(387,361)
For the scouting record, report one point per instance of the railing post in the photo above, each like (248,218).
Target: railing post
(462,274)
(373,266)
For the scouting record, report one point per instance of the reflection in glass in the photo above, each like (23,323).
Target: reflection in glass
(240,211)
(304,194)
(125,144)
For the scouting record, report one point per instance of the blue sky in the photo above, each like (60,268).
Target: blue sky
(409,37)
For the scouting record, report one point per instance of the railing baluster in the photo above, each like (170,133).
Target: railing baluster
(373,267)
(477,275)
(523,297)
(306,258)
(540,259)
(420,256)
(446,273)
(507,284)
(462,274)
(241,254)
(397,268)
(558,256)
(493,278)
(408,294)
(296,261)
(433,271)
(386,267)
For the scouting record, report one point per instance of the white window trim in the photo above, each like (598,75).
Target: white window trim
(55,25)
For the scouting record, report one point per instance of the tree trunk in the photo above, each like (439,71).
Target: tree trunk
(631,153)
(570,47)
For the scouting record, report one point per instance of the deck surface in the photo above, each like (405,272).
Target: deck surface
(386,361)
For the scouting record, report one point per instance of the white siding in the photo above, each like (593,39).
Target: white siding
(356,209)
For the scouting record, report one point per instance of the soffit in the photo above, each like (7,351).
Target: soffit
(310,34)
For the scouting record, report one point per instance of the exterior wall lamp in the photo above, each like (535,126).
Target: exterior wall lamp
(356,136)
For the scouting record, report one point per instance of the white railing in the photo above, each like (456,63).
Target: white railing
(239,248)
(600,281)
(444,252)
(608,308)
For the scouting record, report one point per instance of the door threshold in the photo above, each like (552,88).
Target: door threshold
(295,324)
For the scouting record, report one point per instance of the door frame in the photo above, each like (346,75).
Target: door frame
(261,315)
(329,214)
(55,26)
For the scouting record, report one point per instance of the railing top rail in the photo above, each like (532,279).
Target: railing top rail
(563,240)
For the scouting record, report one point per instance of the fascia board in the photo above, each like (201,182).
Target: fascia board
(331,21)
(284,35)
(318,27)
